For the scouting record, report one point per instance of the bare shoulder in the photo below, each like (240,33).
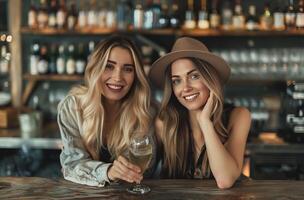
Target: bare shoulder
(240,116)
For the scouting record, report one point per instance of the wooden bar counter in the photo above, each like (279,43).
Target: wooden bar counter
(43,188)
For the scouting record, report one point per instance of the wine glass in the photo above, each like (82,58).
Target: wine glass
(140,154)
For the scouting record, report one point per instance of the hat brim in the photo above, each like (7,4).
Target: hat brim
(157,72)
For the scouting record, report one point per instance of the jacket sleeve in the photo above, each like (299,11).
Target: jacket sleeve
(77,164)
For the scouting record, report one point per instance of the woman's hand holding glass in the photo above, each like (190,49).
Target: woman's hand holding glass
(122,169)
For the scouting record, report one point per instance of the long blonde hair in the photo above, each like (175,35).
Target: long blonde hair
(134,109)
(176,137)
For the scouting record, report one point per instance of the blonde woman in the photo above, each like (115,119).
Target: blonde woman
(199,136)
(97,119)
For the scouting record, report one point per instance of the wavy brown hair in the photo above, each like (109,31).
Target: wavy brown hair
(176,136)
(134,110)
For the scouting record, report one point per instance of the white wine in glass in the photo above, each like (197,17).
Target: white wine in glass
(140,154)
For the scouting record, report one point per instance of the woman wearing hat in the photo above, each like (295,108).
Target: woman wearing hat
(198,135)
(96,120)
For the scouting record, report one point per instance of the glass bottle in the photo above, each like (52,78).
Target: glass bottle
(61,60)
(174,16)
(203,22)
(138,15)
(4,60)
(214,15)
(102,14)
(52,14)
(71,64)
(42,16)
(43,63)
(190,17)
(82,15)
(61,15)
(156,9)
(123,15)
(252,21)
(290,15)
(92,14)
(278,17)
(34,58)
(80,60)
(266,20)
(226,14)
(300,15)
(164,18)
(72,16)
(111,21)
(238,19)
(32,16)
(53,57)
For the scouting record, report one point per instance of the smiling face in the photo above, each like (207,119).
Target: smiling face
(119,74)
(188,85)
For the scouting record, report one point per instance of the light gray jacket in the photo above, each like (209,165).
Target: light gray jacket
(77,164)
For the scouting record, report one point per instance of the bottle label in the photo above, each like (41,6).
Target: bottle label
(70,66)
(32,19)
(34,64)
(60,64)
(80,66)
(42,66)
(60,18)
(42,19)
(278,22)
(300,20)
(71,22)
(82,19)
(52,21)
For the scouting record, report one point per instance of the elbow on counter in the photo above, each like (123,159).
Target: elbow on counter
(225,183)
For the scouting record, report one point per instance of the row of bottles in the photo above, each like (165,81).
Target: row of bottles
(59,58)
(153,14)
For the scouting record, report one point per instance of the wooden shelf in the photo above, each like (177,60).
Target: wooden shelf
(33,79)
(53,77)
(168,31)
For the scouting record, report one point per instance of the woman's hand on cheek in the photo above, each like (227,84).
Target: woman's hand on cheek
(122,169)
(205,113)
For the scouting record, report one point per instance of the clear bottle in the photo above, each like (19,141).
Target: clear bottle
(252,21)
(61,60)
(80,59)
(42,16)
(215,18)
(102,14)
(238,19)
(92,14)
(34,58)
(226,14)
(203,22)
(123,15)
(4,60)
(300,15)
(189,16)
(138,15)
(278,17)
(82,15)
(111,21)
(71,64)
(32,16)
(290,16)
(61,15)
(52,22)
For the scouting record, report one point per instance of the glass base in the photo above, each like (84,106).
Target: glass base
(139,189)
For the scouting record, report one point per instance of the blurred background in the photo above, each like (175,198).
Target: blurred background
(45,45)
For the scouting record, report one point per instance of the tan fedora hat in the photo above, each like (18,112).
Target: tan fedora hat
(186,47)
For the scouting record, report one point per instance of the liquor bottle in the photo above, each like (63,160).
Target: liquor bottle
(92,14)
(138,15)
(164,20)
(61,15)
(43,63)
(226,14)
(34,58)
(32,16)
(148,15)
(82,15)
(278,17)
(189,16)
(156,9)
(102,14)
(80,60)
(52,14)
(214,15)
(61,60)
(4,60)
(53,57)
(123,15)
(72,16)
(252,21)
(71,64)
(300,15)
(42,16)
(238,19)
(266,20)
(290,15)
(111,21)
(174,16)
(203,22)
